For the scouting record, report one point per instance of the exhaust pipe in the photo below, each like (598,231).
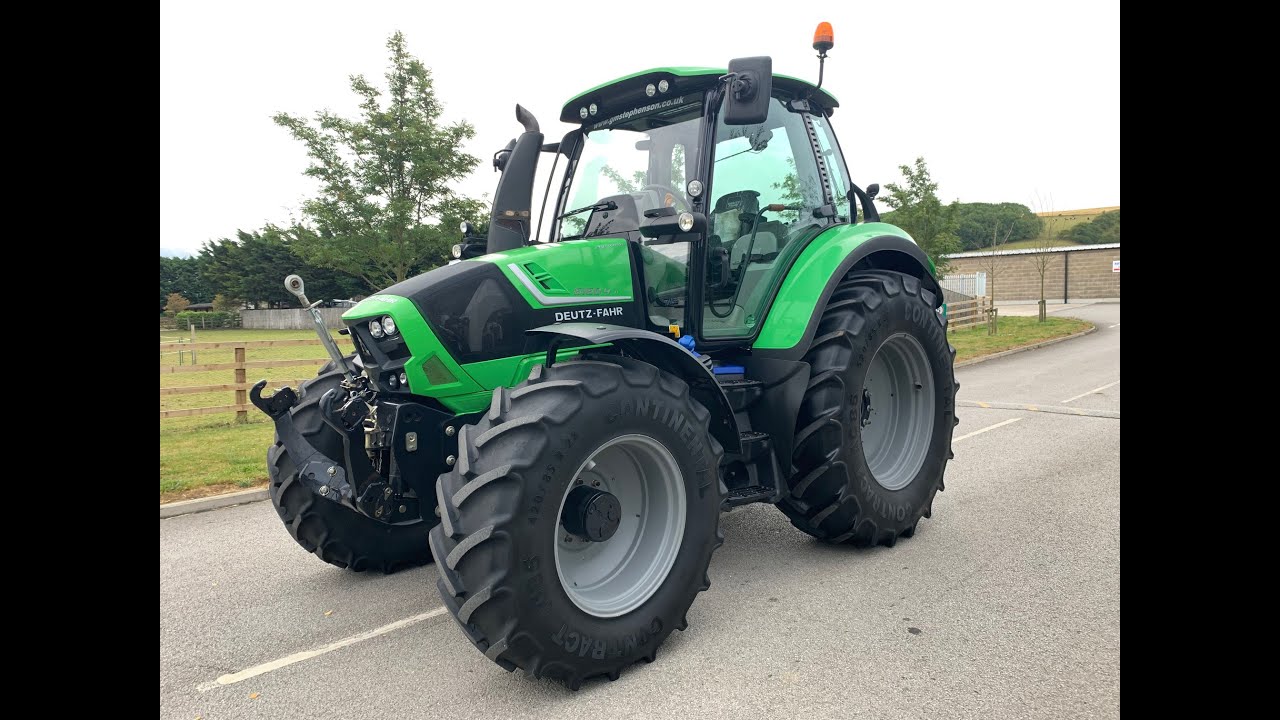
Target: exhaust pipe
(513,200)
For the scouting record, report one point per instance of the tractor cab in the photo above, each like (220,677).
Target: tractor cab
(661,159)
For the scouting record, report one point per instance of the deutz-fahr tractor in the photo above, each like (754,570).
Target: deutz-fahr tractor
(715,316)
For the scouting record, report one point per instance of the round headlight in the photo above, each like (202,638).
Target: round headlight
(694,188)
(582,113)
(456,252)
(393,382)
(404,379)
(389,325)
(375,328)
(663,86)
(685,221)
(650,90)
(592,108)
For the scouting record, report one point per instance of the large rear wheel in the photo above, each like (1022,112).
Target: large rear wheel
(578,524)
(336,534)
(873,435)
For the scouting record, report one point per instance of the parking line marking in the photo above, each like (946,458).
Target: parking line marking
(1104,387)
(256,670)
(982,430)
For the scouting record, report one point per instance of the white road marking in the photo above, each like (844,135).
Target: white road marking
(298,657)
(1113,326)
(989,427)
(1104,387)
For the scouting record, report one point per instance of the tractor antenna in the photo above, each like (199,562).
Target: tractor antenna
(823,40)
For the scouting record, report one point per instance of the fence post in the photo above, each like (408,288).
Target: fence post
(193,339)
(242,397)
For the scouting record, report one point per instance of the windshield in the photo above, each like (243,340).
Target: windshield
(635,161)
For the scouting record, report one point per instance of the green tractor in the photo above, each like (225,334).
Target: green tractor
(715,317)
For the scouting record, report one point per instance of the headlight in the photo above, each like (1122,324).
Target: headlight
(650,90)
(456,251)
(404,379)
(592,108)
(582,113)
(663,86)
(375,328)
(389,325)
(685,221)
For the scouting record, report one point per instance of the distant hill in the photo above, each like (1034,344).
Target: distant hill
(1069,218)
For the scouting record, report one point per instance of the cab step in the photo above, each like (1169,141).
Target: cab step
(747,495)
(741,394)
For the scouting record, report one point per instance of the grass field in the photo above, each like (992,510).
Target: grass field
(211,454)
(1014,332)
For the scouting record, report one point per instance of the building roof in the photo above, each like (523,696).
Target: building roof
(1034,251)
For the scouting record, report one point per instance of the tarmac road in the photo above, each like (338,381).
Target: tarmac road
(1005,605)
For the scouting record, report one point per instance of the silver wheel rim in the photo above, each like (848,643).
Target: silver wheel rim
(614,577)
(897,411)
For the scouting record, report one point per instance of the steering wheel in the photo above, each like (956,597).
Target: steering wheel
(670,197)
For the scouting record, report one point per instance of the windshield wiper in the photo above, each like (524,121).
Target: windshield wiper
(606,205)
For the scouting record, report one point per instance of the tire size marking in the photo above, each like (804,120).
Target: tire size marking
(533,581)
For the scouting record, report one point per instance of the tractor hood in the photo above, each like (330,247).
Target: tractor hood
(460,329)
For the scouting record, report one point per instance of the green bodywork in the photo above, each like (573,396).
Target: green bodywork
(582,271)
(572,272)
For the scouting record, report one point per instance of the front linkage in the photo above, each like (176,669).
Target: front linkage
(392,451)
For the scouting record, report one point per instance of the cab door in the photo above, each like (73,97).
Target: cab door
(767,199)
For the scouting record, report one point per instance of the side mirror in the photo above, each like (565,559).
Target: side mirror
(750,87)
(872,190)
(501,157)
(665,222)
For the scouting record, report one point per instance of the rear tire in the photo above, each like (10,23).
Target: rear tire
(499,539)
(334,533)
(873,434)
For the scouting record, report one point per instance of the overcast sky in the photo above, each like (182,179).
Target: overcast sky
(1003,99)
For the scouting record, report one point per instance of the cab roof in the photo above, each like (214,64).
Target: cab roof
(628,92)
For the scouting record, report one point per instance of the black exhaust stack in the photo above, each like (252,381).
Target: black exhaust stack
(512,201)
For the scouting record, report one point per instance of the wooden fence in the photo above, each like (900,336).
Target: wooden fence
(241,385)
(969,313)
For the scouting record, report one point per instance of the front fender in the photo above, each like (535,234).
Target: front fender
(666,354)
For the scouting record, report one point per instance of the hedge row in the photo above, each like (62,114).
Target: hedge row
(187,319)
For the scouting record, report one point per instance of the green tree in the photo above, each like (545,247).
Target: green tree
(184,276)
(384,210)
(975,220)
(252,267)
(222,303)
(1104,228)
(917,209)
(175,304)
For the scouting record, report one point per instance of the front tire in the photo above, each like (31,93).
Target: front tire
(507,558)
(336,534)
(873,434)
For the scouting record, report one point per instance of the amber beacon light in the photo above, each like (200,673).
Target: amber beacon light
(823,38)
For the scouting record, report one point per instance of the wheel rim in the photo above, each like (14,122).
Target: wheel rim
(897,411)
(614,577)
